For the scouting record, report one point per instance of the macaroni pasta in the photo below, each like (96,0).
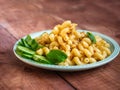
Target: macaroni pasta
(77,45)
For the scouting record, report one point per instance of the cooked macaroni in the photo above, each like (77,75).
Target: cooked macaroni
(77,45)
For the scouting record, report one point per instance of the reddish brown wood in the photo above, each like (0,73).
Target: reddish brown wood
(21,17)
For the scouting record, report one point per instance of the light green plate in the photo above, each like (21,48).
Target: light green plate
(114,48)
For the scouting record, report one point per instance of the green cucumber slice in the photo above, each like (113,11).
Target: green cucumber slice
(25,50)
(41,59)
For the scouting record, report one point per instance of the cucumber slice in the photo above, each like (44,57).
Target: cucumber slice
(25,50)
(28,56)
(41,59)
(18,52)
(25,55)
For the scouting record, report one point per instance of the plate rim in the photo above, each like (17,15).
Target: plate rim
(71,68)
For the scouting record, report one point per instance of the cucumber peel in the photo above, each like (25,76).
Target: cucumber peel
(25,50)
(41,59)
(27,56)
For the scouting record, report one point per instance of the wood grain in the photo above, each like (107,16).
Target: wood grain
(21,17)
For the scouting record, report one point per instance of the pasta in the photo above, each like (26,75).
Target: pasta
(77,45)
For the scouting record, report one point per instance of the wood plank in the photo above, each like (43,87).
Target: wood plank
(19,77)
(24,20)
(6,47)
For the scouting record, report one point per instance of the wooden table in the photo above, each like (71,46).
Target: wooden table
(21,17)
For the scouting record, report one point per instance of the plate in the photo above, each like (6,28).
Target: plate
(114,49)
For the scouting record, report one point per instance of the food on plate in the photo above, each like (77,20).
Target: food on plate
(65,46)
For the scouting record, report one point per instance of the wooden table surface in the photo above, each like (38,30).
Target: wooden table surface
(21,17)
